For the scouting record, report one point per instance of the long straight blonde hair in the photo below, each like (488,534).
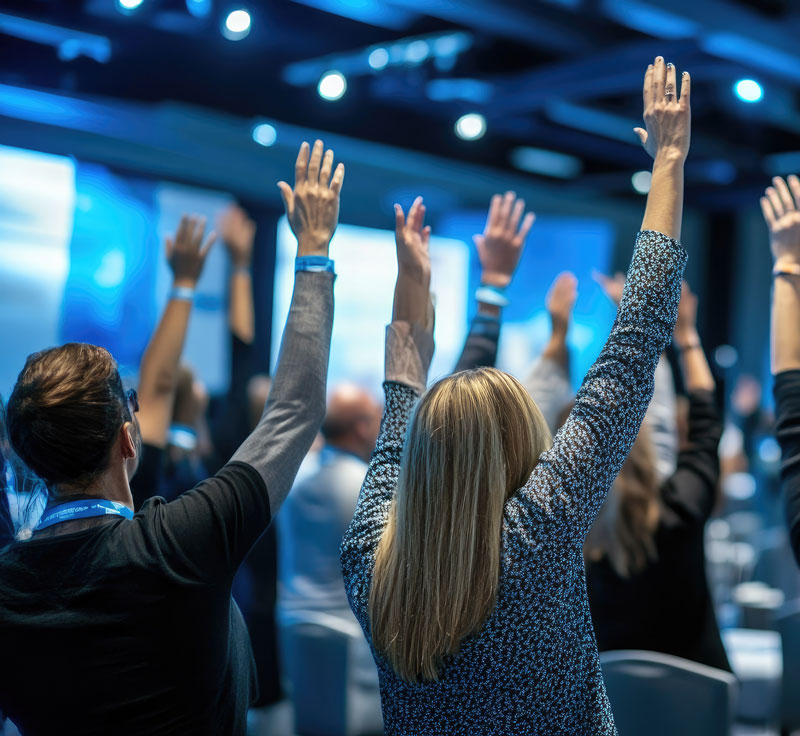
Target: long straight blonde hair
(473,440)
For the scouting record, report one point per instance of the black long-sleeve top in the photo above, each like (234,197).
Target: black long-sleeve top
(667,606)
(787,430)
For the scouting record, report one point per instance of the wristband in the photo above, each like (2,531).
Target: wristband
(313,263)
(493,295)
(184,293)
(790,269)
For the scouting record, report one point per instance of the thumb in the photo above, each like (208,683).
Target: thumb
(287,195)
(642,133)
(479,242)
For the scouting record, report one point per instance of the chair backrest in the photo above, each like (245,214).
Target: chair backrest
(788,624)
(315,658)
(660,695)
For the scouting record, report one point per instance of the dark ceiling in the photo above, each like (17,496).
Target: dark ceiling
(559,75)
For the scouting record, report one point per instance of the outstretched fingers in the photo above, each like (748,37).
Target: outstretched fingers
(775,202)
(686,89)
(301,164)
(784,194)
(526,226)
(338,178)
(314,161)
(794,185)
(327,167)
(767,211)
(516,215)
(671,86)
(659,78)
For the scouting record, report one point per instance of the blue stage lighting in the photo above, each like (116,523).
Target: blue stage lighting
(126,5)
(748,90)
(471,126)
(265,134)
(378,58)
(332,86)
(237,25)
(641,181)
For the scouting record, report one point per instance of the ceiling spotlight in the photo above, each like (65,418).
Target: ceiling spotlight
(641,181)
(237,25)
(332,86)
(748,90)
(417,51)
(265,134)
(128,5)
(198,8)
(471,126)
(378,58)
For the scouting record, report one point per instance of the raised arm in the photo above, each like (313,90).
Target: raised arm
(220,519)
(238,231)
(571,480)
(548,381)
(186,255)
(692,489)
(409,349)
(661,413)
(499,250)
(781,208)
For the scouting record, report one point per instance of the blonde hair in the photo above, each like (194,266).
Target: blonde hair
(625,528)
(473,440)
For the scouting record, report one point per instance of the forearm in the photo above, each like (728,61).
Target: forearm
(480,347)
(787,430)
(696,372)
(241,315)
(296,404)
(556,349)
(785,332)
(664,210)
(159,368)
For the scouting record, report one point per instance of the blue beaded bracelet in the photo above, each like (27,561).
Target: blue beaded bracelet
(493,295)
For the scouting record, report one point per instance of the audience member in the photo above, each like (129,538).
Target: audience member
(781,208)
(125,622)
(463,562)
(645,555)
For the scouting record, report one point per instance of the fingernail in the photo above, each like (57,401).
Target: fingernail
(685,74)
(670,65)
(659,58)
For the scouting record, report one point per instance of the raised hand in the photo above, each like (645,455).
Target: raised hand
(186,253)
(613,286)
(781,207)
(412,238)
(313,205)
(561,300)
(685,332)
(412,302)
(503,239)
(667,117)
(237,231)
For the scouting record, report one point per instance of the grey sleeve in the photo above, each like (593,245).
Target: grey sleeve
(549,386)
(296,405)
(661,420)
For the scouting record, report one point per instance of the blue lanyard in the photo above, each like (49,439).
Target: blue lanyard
(82,510)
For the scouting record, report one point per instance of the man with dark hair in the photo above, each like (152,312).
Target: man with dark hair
(121,623)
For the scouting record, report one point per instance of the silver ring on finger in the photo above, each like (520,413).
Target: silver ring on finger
(669,93)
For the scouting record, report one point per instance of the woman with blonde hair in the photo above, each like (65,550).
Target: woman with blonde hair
(464,560)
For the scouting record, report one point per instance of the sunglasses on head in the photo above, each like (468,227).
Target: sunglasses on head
(133,399)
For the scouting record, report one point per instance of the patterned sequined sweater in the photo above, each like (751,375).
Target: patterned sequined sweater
(533,668)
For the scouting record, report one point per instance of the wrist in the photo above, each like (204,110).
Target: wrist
(669,158)
(496,279)
(787,262)
(559,326)
(307,246)
(687,340)
(184,282)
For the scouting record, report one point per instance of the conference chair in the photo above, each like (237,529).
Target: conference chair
(327,698)
(660,695)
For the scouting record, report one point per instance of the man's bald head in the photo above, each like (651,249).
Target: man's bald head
(352,420)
